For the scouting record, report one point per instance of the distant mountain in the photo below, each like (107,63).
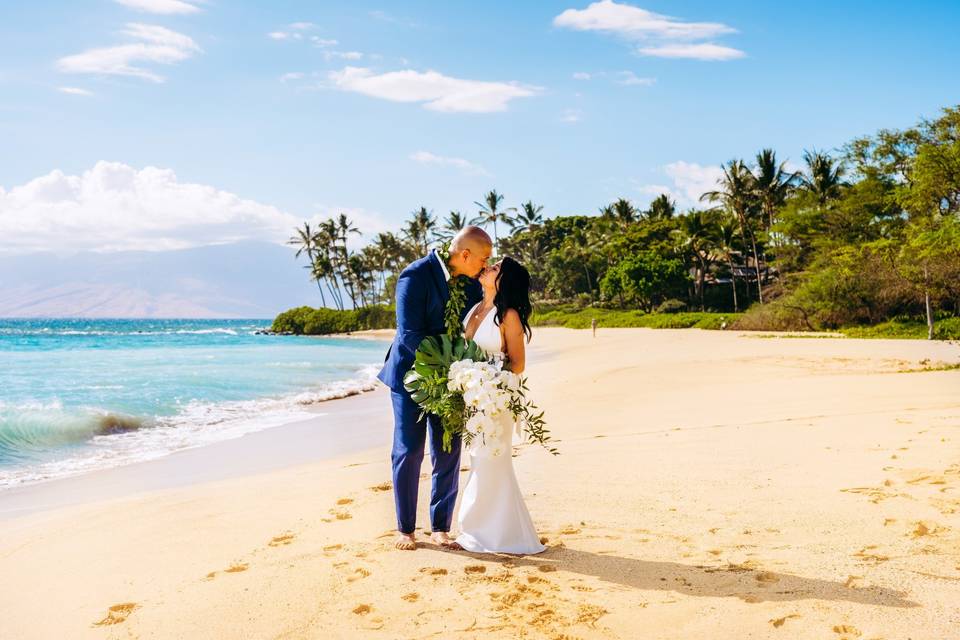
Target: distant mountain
(243,280)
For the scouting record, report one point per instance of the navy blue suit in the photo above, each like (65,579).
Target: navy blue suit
(422,294)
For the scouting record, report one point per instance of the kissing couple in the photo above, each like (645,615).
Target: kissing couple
(493,517)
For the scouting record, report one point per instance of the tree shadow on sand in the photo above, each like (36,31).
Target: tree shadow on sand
(750,584)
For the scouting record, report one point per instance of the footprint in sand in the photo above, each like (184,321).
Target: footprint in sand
(237,567)
(358,574)
(333,547)
(846,630)
(434,571)
(765,577)
(117,614)
(343,501)
(868,555)
(474,568)
(340,515)
(778,622)
(383,486)
(281,540)
(589,614)
(413,596)
(547,568)
(362,610)
(569,530)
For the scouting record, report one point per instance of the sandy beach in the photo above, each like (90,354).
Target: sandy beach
(710,485)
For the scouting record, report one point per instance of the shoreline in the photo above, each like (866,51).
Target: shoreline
(321,437)
(769,488)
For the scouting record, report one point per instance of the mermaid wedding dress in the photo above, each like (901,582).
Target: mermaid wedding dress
(493,517)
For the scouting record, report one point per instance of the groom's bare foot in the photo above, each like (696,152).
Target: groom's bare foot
(405,542)
(444,540)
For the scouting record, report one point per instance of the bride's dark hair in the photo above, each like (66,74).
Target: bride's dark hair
(513,292)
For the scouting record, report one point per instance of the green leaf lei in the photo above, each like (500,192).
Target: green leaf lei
(453,312)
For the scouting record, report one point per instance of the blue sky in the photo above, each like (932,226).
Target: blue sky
(257,114)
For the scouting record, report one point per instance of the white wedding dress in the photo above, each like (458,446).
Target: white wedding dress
(493,517)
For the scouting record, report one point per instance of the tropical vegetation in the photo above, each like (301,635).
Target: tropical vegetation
(865,236)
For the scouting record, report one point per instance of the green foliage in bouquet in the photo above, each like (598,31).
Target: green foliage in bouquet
(427,381)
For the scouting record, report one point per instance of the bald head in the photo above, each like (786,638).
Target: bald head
(469,251)
(471,237)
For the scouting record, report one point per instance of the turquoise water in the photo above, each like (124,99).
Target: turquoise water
(81,395)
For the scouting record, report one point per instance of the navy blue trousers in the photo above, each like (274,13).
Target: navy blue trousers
(409,438)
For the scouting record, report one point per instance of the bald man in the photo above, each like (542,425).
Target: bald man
(422,294)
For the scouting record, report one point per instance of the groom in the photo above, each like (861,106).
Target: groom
(422,294)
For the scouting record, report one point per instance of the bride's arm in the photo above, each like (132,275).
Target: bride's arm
(513,338)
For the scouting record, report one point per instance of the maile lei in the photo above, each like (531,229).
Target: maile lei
(454,379)
(453,312)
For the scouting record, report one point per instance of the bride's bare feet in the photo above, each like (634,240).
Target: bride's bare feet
(444,540)
(405,542)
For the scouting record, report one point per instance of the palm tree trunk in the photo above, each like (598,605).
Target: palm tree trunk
(703,276)
(733,282)
(743,236)
(756,266)
(929,307)
(323,300)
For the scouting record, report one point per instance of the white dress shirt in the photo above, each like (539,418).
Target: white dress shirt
(446,273)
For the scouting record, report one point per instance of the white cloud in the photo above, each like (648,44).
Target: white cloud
(154,44)
(656,35)
(114,207)
(634,22)
(467,167)
(690,181)
(293,75)
(294,32)
(626,78)
(323,42)
(435,90)
(76,91)
(702,51)
(162,7)
(571,116)
(629,78)
(342,55)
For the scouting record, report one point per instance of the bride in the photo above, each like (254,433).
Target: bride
(493,517)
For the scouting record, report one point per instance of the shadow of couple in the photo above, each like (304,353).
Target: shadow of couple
(739,581)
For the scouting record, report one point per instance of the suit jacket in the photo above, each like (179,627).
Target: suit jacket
(422,294)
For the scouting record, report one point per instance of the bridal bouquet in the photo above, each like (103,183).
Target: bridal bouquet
(472,394)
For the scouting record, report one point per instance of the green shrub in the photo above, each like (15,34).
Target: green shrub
(572,318)
(323,321)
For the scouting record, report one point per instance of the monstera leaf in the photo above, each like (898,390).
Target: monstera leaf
(426,381)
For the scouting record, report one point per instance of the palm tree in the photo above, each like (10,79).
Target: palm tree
(773,183)
(624,210)
(454,222)
(529,216)
(738,194)
(825,177)
(327,262)
(724,244)
(419,229)
(662,207)
(607,212)
(490,212)
(695,235)
(342,228)
(304,240)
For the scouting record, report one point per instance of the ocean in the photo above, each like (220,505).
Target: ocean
(81,395)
